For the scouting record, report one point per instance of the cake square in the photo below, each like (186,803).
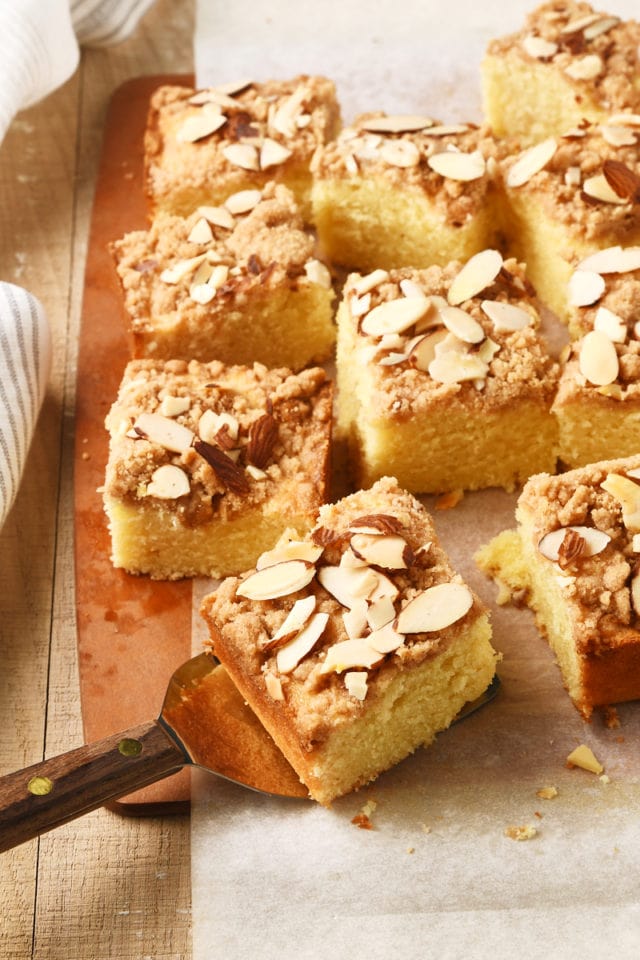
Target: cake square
(443,377)
(598,399)
(397,191)
(237,283)
(569,63)
(574,557)
(203,145)
(570,196)
(208,464)
(357,644)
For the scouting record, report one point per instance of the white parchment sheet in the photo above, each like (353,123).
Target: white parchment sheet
(436,877)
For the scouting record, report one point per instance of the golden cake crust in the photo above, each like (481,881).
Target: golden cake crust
(296,115)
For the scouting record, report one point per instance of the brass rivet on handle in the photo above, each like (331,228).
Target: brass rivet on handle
(129,747)
(40,786)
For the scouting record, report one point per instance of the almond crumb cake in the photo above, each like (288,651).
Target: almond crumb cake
(569,196)
(443,378)
(203,145)
(209,464)
(568,63)
(395,191)
(576,556)
(355,644)
(237,283)
(598,399)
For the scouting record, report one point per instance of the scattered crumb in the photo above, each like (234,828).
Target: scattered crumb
(603,778)
(426,828)
(584,758)
(411,849)
(449,500)
(547,793)
(524,832)
(611,718)
(537,814)
(620,739)
(362,819)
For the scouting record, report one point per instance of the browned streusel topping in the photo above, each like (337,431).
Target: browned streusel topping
(233,436)
(486,349)
(318,697)
(417,157)
(201,135)
(590,181)
(215,255)
(599,587)
(595,52)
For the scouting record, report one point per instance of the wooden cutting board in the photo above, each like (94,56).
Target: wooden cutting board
(132,632)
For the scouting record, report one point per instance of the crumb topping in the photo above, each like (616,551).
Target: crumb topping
(599,581)
(379,591)
(597,53)
(259,127)
(588,179)
(238,437)
(452,164)
(469,331)
(202,262)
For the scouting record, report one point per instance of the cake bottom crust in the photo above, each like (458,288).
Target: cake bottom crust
(417,704)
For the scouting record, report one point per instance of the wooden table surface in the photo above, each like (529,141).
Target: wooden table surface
(104,886)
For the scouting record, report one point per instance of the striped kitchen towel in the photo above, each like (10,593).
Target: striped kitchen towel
(25,359)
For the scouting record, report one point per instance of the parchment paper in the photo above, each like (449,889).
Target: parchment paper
(436,877)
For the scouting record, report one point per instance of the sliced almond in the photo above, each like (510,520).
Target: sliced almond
(453,367)
(218,216)
(384,587)
(272,153)
(348,585)
(579,23)
(380,612)
(530,162)
(585,287)
(242,201)
(599,27)
(573,176)
(243,155)
(448,130)
(181,269)
(210,424)
(423,351)
(278,580)
(348,654)
(174,406)
(435,608)
(487,350)
(594,541)
(462,325)
(355,682)
(168,482)
(506,316)
(369,282)
(201,232)
(399,123)
(394,316)
(317,272)
(627,493)
(387,551)
(217,96)
(290,550)
(618,136)
(410,288)
(612,260)
(200,125)
(598,360)
(164,431)
(478,272)
(625,119)
(355,620)
(539,48)
(585,68)
(289,656)
(599,188)
(609,323)
(202,293)
(385,639)
(400,153)
(293,622)
(458,166)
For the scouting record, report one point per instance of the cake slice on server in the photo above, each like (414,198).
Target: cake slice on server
(575,557)
(355,644)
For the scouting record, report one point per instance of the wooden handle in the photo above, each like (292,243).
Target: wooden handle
(49,794)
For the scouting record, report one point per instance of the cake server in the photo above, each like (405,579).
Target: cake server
(204,722)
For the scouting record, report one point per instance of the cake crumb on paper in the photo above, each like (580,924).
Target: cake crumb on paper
(522,832)
(584,758)
(547,793)
(449,500)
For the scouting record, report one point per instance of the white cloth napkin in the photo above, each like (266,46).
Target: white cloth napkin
(40,50)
